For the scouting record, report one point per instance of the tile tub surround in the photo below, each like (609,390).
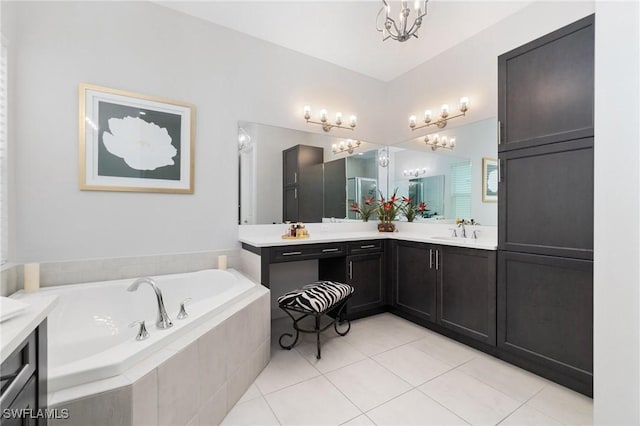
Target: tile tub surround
(91,270)
(9,279)
(410,376)
(194,380)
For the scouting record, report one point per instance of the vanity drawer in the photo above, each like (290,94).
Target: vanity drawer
(362,247)
(307,251)
(16,370)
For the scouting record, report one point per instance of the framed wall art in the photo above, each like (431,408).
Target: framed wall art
(489,180)
(134,142)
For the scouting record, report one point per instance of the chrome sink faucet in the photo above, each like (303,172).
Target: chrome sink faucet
(163,320)
(463,232)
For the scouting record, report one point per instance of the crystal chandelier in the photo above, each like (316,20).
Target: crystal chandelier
(401,30)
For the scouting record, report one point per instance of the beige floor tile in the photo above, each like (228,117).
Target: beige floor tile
(469,398)
(367,384)
(527,416)
(254,412)
(446,350)
(509,379)
(411,364)
(336,353)
(362,420)
(313,402)
(564,405)
(413,408)
(286,368)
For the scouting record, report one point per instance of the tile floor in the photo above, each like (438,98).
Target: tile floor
(388,371)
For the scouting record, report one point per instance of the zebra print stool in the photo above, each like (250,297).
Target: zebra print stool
(318,299)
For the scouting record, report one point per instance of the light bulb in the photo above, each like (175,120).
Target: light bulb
(412,121)
(338,118)
(452,142)
(323,115)
(307,112)
(352,121)
(427,116)
(464,104)
(443,141)
(416,6)
(334,148)
(444,111)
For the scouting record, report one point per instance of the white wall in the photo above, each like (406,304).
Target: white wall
(146,48)
(616,215)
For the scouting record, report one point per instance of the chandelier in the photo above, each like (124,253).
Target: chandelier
(401,30)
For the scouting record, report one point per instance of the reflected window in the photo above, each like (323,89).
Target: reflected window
(461,190)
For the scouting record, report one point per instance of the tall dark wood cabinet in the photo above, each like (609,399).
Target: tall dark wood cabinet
(302,184)
(545,205)
(335,188)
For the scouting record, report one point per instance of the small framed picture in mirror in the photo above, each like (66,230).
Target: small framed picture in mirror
(489,180)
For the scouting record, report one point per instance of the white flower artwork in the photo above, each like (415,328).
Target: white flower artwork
(492,181)
(142,145)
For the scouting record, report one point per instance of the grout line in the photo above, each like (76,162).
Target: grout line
(522,405)
(445,407)
(272,411)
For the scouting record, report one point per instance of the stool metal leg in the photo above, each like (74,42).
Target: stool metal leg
(318,335)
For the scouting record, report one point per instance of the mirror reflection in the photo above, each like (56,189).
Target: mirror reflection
(291,175)
(448,180)
(294,175)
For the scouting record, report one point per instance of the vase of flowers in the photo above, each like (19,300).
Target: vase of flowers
(387,211)
(366,209)
(410,211)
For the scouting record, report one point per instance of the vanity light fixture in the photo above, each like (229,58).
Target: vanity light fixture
(436,141)
(244,140)
(345,146)
(417,172)
(401,30)
(324,121)
(383,157)
(443,118)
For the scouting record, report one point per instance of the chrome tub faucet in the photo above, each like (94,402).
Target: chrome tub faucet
(163,320)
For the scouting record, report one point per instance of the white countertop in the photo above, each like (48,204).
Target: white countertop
(270,235)
(16,329)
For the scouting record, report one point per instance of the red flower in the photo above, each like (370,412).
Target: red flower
(406,200)
(368,201)
(422,207)
(387,206)
(355,207)
(393,198)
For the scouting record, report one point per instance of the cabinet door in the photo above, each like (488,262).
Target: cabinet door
(546,88)
(290,204)
(415,280)
(467,292)
(290,166)
(365,274)
(545,311)
(546,200)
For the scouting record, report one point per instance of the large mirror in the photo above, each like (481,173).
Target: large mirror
(449,181)
(292,175)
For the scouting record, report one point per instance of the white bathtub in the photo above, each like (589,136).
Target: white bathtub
(89,337)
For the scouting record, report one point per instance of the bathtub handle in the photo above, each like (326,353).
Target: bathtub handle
(142,331)
(183,313)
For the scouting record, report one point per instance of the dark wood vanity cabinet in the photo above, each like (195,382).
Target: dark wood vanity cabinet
(24,380)
(364,269)
(453,287)
(302,189)
(466,292)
